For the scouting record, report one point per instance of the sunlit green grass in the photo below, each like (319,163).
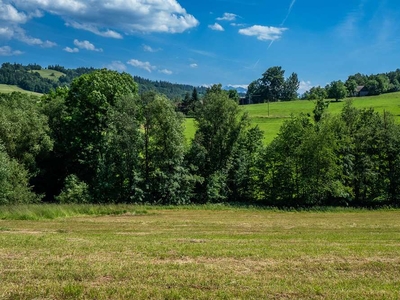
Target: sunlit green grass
(5,88)
(49,74)
(203,253)
(270,119)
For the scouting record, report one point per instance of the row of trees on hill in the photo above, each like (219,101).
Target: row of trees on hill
(374,85)
(175,92)
(99,141)
(28,79)
(273,86)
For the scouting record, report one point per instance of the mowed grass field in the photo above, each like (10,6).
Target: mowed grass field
(5,88)
(271,122)
(203,253)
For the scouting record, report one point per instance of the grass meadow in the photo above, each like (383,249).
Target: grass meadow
(5,88)
(199,252)
(271,122)
(49,74)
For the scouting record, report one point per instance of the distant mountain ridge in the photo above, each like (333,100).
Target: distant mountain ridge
(240,89)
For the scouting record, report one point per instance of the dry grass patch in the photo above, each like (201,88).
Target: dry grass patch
(204,254)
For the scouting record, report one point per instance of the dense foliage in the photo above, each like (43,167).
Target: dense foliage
(273,86)
(100,141)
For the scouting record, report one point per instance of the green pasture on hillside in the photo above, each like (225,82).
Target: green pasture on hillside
(202,253)
(49,74)
(269,117)
(5,88)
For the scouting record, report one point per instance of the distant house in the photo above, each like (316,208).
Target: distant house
(361,91)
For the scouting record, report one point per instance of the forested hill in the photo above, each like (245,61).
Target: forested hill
(35,78)
(171,90)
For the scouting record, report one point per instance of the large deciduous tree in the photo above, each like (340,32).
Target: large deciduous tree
(337,90)
(87,120)
(165,179)
(272,86)
(219,124)
(290,88)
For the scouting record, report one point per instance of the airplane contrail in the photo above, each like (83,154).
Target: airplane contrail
(289,11)
(284,21)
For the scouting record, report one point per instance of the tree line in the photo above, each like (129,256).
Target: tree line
(374,85)
(273,86)
(27,78)
(100,141)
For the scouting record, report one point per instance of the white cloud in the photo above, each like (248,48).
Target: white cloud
(10,14)
(238,24)
(71,50)
(10,21)
(109,18)
(150,49)
(7,51)
(6,32)
(86,45)
(193,66)
(48,44)
(263,33)
(106,33)
(305,86)
(204,53)
(141,65)
(20,35)
(216,27)
(165,71)
(117,66)
(227,17)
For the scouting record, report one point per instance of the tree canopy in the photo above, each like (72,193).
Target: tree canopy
(272,87)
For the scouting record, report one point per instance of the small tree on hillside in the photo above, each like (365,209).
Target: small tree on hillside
(337,90)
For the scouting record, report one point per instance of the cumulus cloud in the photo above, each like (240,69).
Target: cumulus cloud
(305,86)
(86,45)
(8,51)
(216,27)
(263,33)
(71,50)
(238,24)
(193,66)
(150,49)
(165,71)
(11,20)
(117,65)
(227,17)
(10,14)
(20,35)
(6,32)
(109,18)
(145,65)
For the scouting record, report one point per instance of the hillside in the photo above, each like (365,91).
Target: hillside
(49,74)
(271,122)
(5,88)
(37,79)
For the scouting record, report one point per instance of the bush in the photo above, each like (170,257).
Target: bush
(74,191)
(14,181)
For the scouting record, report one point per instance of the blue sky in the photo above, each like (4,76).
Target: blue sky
(205,42)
